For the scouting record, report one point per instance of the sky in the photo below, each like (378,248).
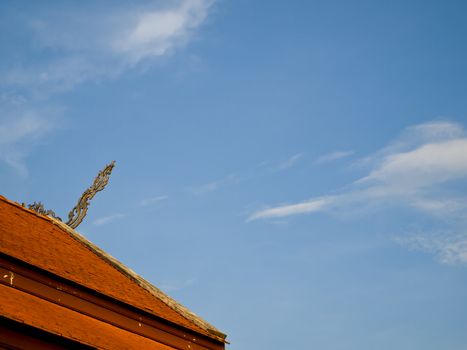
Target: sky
(295,172)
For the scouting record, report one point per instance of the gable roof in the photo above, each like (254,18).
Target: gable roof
(53,246)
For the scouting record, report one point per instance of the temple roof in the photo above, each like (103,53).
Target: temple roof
(54,247)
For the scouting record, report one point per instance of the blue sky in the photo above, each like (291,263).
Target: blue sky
(294,172)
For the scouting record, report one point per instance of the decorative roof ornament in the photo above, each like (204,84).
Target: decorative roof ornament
(77,214)
(39,208)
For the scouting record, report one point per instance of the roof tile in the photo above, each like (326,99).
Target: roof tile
(54,247)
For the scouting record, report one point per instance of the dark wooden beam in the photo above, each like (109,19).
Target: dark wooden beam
(15,335)
(57,290)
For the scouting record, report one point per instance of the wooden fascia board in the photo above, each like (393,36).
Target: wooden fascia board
(57,290)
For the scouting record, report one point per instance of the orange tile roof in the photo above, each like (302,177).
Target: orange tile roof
(36,312)
(52,246)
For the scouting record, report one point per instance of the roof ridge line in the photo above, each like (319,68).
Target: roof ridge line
(129,273)
(16,204)
(140,281)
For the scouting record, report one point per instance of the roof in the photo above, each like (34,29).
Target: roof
(27,309)
(53,246)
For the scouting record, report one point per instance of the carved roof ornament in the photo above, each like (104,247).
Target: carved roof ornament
(39,208)
(77,214)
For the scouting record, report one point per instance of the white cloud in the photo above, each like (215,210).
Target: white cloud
(77,43)
(449,247)
(443,206)
(20,131)
(424,166)
(416,171)
(215,185)
(44,79)
(290,162)
(410,175)
(173,286)
(436,131)
(153,200)
(329,157)
(306,207)
(155,33)
(109,218)
(89,42)
(414,137)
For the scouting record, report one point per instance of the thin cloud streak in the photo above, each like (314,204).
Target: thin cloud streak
(153,200)
(177,285)
(292,161)
(214,185)
(414,173)
(109,218)
(306,207)
(330,157)
(408,173)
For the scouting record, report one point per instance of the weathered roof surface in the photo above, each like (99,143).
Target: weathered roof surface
(53,246)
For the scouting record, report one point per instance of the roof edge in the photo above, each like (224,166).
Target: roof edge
(172,303)
(143,283)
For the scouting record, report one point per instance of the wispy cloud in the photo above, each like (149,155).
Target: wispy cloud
(155,33)
(417,171)
(153,200)
(409,171)
(21,130)
(73,44)
(90,43)
(173,286)
(290,162)
(109,218)
(329,157)
(450,247)
(214,185)
(309,206)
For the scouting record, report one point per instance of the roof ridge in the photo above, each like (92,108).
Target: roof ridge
(143,283)
(129,273)
(16,204)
